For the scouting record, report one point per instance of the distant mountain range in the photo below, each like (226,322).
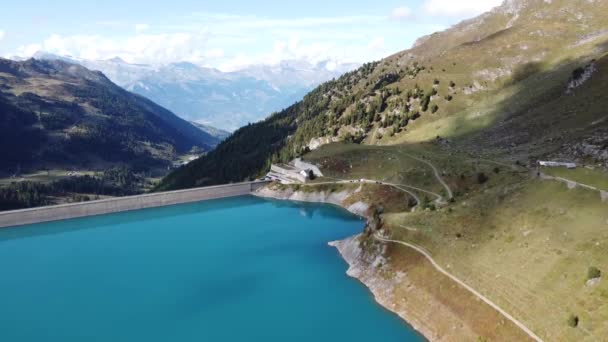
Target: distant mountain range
(55,114)
(225,100)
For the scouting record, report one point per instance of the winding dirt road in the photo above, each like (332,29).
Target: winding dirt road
(461,283)
(435,171)
(369,181)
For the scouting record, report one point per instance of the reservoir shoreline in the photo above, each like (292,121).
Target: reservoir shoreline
(359,267)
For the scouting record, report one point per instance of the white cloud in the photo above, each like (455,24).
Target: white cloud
(230,42)
(159,49)
(214,53)
(139,28)
(28,50)
(376,44)
(139,48)
(333,54)
(288,49)
(459,8)
(401,13)
(1,34)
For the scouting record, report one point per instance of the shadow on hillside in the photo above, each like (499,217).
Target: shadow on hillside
(539,116)
(603,46)
(523,72)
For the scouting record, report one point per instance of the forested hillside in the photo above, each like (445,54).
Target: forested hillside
(60,115)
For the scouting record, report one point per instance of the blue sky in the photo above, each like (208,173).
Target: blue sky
(228,34)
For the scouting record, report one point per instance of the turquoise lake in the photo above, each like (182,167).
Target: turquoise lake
(238,269)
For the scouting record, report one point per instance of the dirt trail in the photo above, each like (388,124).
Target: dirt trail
(435,171)
(461,283)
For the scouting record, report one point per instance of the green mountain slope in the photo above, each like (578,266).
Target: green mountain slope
(56,114)
(497,84)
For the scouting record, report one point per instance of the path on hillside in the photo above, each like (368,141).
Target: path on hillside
(416,198)
(408,228)
(396,186)
(573,184)
(435,171)
(438,196)
(379,182)
(461,283)
(569,182)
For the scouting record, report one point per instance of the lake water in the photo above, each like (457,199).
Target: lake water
(238,269)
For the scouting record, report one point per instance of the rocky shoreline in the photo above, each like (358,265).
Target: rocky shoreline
(368,270)
(371,269)
(335,198)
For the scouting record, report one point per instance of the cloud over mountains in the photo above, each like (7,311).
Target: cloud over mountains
(230,42)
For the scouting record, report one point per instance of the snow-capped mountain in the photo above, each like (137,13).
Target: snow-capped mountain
(226,100)
(297,73)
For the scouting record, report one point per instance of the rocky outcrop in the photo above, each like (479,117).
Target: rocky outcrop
(338,198)
(472,89)
(492,74)
(315,143)
(580,76)
(594,147)
(370,268)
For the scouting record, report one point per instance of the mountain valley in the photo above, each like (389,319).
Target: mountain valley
(62,122)
(225,100)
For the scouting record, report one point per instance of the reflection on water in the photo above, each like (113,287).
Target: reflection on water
(309,210)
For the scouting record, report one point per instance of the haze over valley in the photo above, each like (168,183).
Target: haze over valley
(224,100)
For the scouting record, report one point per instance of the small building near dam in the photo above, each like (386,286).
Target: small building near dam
(287,174)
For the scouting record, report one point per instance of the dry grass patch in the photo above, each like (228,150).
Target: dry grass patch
(457,315)
(528,247)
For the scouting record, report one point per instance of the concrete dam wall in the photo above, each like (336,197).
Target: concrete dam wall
(119,204)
